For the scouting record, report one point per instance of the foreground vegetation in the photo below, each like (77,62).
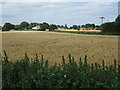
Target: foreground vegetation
(37,73)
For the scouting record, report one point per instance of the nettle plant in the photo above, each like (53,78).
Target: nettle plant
(37,73)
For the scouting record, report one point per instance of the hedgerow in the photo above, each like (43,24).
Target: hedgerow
(83,32)
(37,73)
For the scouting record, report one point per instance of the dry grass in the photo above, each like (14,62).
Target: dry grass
(53,45)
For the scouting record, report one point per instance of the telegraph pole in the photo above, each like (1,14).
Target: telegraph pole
(119,47)
(102,18)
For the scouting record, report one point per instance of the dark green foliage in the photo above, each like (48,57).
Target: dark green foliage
(52,27)
(44,26)
(27,73)
(112,27)
(82,32)
(75,26)
(78,32)
(78,27)
(31,25)
(118,19)
(66,27)
(24,25)
(0,27)
(88,25)
(18,27)
(98,27)
(8,26)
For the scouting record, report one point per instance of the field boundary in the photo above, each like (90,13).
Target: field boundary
(86,32)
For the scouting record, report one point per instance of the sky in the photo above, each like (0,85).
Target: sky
(57,12)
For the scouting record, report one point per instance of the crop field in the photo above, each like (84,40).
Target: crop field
(54,45)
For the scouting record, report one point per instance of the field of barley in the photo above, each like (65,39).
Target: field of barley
(54,45)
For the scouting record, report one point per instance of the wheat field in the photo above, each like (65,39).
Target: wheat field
(53,45)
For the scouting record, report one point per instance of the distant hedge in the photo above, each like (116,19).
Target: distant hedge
(111,27)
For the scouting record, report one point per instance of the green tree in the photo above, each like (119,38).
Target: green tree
(17,27)
(93,26)
(7,27)
(0,27)
(88,25)
(75,27)
(78,27)
(58,26)
(71,27)
(117,24)
(24,25)
(31,25)
(98,27)
(44,26)
(61,26)
(118,19)
(112,27)
(52,27)
(108,27)
(47,25)
(83,26)
(66,27)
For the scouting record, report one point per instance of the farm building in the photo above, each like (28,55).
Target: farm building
(86,28)
(36,27)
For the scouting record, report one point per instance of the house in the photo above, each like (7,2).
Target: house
(36,27)
(82,28)
(61,29)
(86,29)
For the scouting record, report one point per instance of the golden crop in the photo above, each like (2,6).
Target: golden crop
(53,45)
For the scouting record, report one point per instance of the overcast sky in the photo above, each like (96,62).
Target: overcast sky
(58,12)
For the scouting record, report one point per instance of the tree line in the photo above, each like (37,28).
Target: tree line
(43,26)
(108,27)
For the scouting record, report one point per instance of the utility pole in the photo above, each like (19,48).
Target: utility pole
(102,18)
(118,47)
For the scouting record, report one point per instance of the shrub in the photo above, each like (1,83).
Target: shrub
(52,27)
(7,27)
(112,27)
(27,73)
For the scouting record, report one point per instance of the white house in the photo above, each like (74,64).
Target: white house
(36,27)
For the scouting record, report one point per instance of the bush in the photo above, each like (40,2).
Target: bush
(27,73)
(112,27)
(7,27)
(52,27)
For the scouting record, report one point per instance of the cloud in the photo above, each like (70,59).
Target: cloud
(61,0)
(58,12)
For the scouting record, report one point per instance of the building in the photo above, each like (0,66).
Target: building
(36,27)
(86,28)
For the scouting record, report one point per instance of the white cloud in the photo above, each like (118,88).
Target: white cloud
(58,12)
(61,0)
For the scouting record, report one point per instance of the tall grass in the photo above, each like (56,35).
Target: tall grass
(37,73)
